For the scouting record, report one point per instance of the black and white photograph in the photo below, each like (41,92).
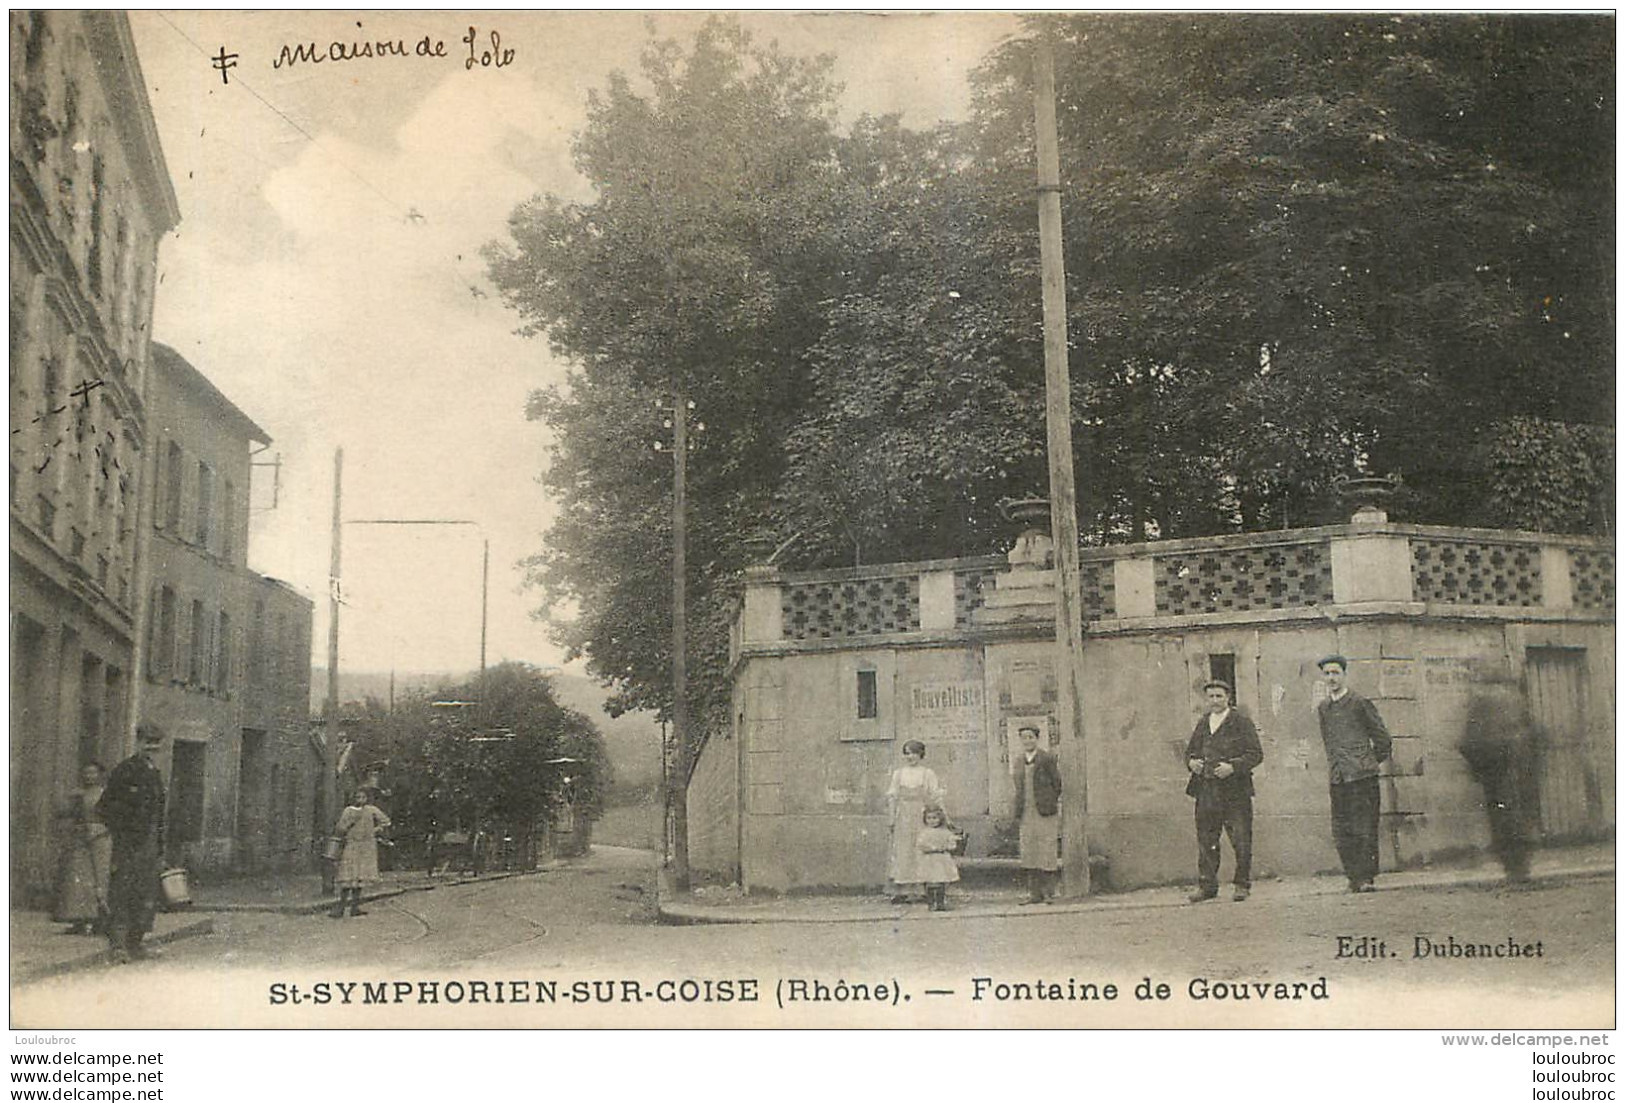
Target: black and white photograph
(804,520)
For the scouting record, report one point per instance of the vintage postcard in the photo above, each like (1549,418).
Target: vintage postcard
(801,520)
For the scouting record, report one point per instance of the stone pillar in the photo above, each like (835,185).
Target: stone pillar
(762,620)
(1135,584)
(1374,567)
(1556,584)
(937,601)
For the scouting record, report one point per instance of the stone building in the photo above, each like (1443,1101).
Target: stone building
(834,669)
(228,651)
(90,198)
(285,795)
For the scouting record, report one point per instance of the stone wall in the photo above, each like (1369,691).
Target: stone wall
(835,669)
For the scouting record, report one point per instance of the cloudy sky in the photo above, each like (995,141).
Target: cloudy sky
(326,275)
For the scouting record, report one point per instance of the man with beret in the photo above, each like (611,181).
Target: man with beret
(1356,742)
(1221,756)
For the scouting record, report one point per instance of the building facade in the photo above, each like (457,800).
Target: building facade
(90,199)
(833,670)
(284,787)
(227,656)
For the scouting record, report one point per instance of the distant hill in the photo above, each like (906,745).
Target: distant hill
(633,740)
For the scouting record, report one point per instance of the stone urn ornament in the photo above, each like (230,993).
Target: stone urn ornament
(1034,549)
(1368,494)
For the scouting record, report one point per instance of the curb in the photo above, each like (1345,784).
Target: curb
(311,907)
(194,929)
(688,915)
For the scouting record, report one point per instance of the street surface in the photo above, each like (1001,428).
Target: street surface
(594,922)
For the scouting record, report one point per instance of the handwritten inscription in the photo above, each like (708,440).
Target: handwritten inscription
(485,50)
(224,61)
(496,55)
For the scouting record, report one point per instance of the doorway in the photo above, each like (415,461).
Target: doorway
(1577,768)
(185,818)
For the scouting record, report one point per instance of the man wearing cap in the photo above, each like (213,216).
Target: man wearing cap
(132,806)
(1221,756)
(1356,741)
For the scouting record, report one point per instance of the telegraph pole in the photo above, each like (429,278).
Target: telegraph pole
(677,785)
(329,778)
(1062,492)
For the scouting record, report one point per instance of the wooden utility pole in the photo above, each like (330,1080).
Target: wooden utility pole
(485,604)
(677,784)
(334,574)
(1062,493)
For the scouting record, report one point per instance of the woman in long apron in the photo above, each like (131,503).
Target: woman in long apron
(87,858)
(913,788)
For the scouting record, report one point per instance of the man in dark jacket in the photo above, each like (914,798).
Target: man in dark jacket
(1356,743)
(132,806)
(1037,810)
(1221,756)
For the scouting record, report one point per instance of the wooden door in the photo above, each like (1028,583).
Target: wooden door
(1576,776)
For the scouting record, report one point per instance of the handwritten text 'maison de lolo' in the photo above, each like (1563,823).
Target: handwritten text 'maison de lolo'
(481,51)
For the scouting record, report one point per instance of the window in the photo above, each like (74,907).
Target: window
(279,648)
(228,518)
(868,696)
(98,187)
(172,491)
(51,383)
(195,648)
(162,662)
(222,653)
(1222,668)
(205,504)
(867,689)
(256,645)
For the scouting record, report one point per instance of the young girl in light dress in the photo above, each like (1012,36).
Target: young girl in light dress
(937,842)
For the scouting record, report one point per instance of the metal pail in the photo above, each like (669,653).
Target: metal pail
(173,884)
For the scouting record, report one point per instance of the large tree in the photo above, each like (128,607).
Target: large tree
(1298,246)
(1342,240)
(696,270)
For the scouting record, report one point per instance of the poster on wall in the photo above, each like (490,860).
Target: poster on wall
(947,712)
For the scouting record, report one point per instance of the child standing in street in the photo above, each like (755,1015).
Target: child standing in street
(358,826)
(937,868)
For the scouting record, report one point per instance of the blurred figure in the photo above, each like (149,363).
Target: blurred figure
(87,858)
(1502,748)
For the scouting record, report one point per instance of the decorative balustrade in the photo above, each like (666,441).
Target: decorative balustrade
(1456,571)
(1393,565)
(1226,580)
(835,609)
(1591,579)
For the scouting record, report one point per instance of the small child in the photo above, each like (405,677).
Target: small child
(936,843)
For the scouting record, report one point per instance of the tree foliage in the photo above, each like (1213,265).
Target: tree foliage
(506,756)
(1298,246)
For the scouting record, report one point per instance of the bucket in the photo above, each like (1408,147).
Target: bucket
(173,884)
(332,848)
